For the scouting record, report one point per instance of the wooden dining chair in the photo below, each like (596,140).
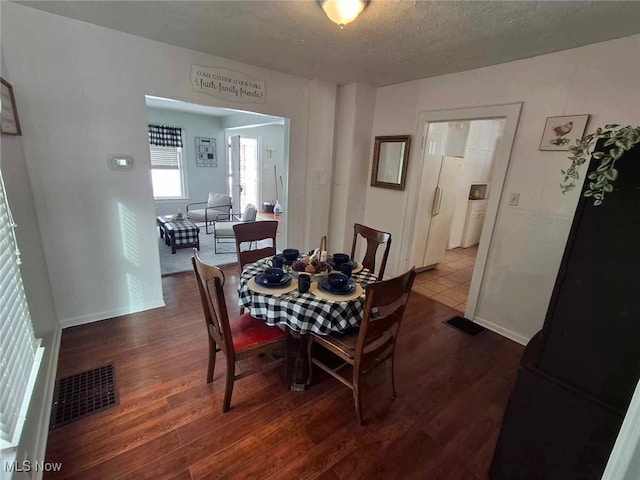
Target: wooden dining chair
(255,232)
(237,339)
(375,340)
(374,239)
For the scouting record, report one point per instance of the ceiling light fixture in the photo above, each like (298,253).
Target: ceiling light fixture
(343,11)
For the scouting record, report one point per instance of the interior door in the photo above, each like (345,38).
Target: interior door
(235,180)
(444,203)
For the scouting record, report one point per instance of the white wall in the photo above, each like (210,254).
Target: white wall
(600,79)
(35,278)
(246,119)
(351,171)
(200,180)
(82,94)
(322,101)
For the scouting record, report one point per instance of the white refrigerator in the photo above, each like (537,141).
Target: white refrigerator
(444,201)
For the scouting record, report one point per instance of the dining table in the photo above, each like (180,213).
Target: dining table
(301,314)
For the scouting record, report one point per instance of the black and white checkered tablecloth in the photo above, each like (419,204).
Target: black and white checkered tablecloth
(185,232)
(302,312)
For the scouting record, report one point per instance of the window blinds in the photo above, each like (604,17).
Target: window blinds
(165,157)
(19,352)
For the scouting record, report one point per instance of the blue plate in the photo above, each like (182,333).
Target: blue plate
(283,282)
(348,288)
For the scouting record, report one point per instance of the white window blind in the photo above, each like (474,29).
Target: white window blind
(20,354)
(165,157)
(167,174)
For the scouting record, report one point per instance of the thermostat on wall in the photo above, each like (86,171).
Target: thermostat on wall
(119,161)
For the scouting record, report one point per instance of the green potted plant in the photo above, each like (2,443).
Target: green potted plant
(617,141)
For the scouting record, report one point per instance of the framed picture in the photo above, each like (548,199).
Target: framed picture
(206,153)
(562,132)
(10,124)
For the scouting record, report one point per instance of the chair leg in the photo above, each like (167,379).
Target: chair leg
(356,398)
(213,349)
(393,381)
(309,359)
(228,389)
(288,378)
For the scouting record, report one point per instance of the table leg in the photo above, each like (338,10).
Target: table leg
(297,367)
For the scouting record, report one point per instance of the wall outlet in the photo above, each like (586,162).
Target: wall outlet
(514,198)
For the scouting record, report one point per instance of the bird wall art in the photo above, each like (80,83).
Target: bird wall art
(562,132)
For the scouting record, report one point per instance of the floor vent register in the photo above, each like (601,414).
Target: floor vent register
(82,394)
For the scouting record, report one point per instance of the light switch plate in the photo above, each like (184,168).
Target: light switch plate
(514,198)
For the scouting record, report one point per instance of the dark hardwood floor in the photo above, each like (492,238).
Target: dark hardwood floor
(452,391)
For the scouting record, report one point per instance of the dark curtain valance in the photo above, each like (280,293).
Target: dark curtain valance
(164,136)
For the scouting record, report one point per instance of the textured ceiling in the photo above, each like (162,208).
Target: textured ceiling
(391,41)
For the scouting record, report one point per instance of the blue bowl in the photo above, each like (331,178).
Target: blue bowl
(338,280)
(340,258)
(273,275)
(291,254)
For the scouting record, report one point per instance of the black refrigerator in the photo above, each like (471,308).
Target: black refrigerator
(577,375)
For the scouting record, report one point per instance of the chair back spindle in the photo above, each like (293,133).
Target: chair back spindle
(251,232)
(385,305)
(374,239)
(210,280)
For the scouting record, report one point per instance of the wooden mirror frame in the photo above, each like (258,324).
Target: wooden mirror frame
(406,139)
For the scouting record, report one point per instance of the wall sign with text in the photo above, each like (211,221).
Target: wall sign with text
(227,84)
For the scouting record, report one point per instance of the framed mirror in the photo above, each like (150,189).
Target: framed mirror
(390,157)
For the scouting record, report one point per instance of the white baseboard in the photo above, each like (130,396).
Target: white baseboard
(117,312)
(500,330)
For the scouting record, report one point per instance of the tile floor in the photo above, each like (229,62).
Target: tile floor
(448,283)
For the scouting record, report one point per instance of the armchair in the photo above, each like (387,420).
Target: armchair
(218,205)
(223,226)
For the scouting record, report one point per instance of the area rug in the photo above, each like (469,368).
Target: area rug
(181,260)
(464,325)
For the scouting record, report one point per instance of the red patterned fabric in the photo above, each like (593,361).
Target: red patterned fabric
(248,332)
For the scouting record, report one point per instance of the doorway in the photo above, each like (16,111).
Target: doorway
(463,153)
(244,169)
(200,160)
(457,190)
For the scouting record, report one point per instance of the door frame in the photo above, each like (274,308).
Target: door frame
(421,174)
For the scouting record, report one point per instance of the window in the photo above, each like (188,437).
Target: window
(20,355)
(167,169)
(167,172)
